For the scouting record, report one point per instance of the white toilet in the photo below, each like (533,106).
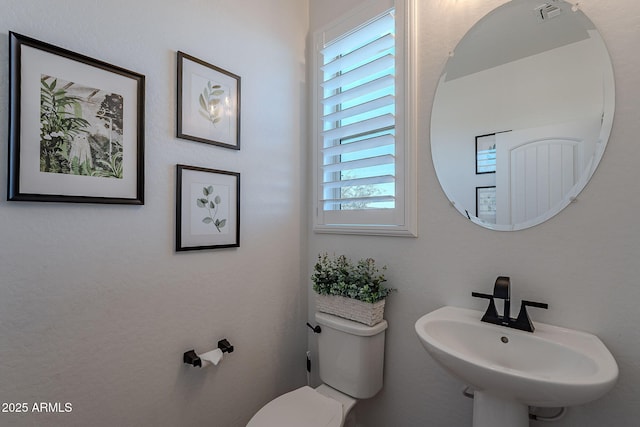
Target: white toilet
(351,359)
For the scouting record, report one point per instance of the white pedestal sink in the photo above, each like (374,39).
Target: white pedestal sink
(511,370)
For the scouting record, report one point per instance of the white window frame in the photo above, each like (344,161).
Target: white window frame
(402,220)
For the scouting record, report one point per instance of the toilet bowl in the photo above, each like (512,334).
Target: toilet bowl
(351,358)
(305,406)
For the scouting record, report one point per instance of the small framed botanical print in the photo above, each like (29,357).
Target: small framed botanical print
(207,208)
(208,103)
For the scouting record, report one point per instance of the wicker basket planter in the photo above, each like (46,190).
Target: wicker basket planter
(352,309)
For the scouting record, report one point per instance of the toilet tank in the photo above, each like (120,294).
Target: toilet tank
(351,355)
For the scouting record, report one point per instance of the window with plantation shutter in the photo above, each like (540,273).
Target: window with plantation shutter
(364,148)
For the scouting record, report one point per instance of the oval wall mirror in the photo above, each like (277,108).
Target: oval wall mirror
(522,114)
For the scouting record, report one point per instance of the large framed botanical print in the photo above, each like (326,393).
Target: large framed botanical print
(76,131)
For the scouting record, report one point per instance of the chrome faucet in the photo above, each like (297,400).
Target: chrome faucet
(502,290)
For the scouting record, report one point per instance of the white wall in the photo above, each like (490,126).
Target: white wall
(583,262)
(96,308)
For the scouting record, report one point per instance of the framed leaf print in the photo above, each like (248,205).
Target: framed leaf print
(76,127)
(207,208)
(486,204)
(208,103)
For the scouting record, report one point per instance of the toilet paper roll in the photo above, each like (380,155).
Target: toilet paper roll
(213,356)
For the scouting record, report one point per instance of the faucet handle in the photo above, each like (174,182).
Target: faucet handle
(481,295)
(523,322)
(534,304)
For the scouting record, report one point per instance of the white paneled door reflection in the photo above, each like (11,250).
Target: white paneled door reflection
(537,168)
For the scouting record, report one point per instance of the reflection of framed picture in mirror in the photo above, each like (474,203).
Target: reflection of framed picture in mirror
(208,103)
(486,153)
(486,204)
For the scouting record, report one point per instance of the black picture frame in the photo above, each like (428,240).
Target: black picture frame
(76,127)
(208,109)
(207,208)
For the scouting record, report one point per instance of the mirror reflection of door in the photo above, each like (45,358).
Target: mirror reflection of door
(537,168)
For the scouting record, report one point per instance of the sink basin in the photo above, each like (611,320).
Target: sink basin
(551,367)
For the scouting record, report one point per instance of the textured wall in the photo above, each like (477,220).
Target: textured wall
(584,261)
(96,309)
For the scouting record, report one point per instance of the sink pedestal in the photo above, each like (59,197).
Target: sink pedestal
(492,411)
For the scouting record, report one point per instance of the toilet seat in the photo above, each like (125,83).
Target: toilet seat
(301,407)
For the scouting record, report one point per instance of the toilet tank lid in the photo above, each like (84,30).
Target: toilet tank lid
(349,326)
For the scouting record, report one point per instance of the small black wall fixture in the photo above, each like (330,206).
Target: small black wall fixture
(316,329)
(191,358)
(225,346)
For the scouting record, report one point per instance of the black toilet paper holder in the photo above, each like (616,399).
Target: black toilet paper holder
(191,358)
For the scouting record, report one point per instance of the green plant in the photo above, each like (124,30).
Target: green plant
(112,168)
(211,105)
(60,122)
(338,275)
(212,208)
